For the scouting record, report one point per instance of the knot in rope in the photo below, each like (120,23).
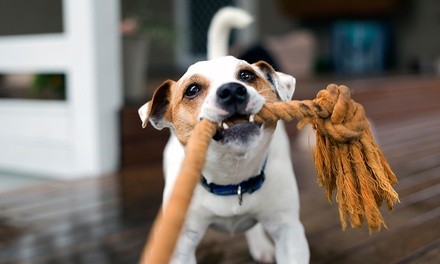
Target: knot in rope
(347,119)
(333,113)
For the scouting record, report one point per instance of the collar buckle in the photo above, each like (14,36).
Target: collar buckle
(240,195)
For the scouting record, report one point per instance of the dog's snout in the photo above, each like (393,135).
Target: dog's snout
(232,94)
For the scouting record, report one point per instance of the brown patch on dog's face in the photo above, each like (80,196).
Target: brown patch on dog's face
(283,84)
(258,82)
(176,105)
(187,99)
(268,73)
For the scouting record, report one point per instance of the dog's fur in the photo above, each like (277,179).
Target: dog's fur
(237,155)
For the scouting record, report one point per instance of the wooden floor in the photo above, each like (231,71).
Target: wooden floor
(100,220)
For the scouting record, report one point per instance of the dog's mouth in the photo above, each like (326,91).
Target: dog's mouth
(237,128)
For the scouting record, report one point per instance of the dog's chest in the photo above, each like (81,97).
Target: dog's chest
(234,224)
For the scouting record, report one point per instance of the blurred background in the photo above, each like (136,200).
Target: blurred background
(80,181)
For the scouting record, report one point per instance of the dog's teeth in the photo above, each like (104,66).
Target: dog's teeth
(225,126)
(219,124)
(251,118)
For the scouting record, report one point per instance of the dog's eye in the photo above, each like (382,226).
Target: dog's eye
(192,91)
(246,75)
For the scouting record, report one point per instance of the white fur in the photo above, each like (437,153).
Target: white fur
(222,23)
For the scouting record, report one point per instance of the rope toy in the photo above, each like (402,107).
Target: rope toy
(346,159)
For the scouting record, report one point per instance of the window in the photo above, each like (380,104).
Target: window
(24,17)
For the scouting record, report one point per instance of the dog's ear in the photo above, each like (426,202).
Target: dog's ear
(155,110)
(283,84)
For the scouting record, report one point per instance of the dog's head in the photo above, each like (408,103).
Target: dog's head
(226,90)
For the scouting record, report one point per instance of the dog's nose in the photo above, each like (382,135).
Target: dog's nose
(232,94)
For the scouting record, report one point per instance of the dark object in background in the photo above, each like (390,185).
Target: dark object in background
(257,53)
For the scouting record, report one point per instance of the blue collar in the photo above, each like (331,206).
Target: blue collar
(248,186)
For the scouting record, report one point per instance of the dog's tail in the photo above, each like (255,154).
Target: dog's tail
(223,21)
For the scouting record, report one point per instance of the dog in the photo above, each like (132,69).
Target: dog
(248,183)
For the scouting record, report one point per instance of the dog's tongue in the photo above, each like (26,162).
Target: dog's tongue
(238,132)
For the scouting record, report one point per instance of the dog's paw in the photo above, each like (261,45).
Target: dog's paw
(262,250)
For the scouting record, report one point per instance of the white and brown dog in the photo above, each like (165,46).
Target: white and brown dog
(248,183)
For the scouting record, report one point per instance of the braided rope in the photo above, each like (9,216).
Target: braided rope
(166,228)
(332,113)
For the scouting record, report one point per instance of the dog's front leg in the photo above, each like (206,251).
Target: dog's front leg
(190,236)
(290,241)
